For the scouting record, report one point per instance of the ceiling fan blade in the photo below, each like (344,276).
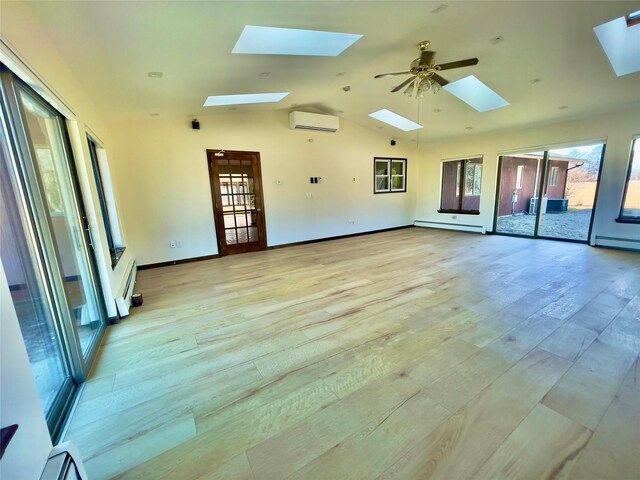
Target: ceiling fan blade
(403,84)
(426,57)
(460,63)
(391,74)
(439,80)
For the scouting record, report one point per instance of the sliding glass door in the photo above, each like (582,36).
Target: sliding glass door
(519,193)
(44,130)
(31,297)
(46,249)
(549,194)
(570,189)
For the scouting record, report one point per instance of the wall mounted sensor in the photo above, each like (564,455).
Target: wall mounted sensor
(195,124)
(393,143)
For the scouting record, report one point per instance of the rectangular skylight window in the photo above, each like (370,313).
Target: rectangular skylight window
(395,120)
(621,44)
(217,100)
(475,93)
(291,41)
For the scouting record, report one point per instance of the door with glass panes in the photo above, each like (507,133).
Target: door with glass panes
(238,206)
(46,248)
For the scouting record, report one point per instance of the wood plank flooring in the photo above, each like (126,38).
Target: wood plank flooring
(410,354)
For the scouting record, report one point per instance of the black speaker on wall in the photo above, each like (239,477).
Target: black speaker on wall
(195,124)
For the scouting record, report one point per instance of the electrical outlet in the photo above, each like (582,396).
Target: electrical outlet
(178,243)
(351,222)
(172,244)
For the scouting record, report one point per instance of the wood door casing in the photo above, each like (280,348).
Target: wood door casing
(238,203)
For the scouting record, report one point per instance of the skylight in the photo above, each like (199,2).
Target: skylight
(291,41)
(475,93)
(395,120)
(620,40)
(217,100)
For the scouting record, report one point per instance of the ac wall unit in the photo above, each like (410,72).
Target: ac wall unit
(313,121)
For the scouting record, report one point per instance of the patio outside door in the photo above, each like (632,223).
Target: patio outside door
(238,206)
(549,194)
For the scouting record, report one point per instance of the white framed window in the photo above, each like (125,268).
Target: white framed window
(107,201)
(519,173)
(553,177)
(390,175)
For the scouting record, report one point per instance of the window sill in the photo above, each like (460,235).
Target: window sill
(116,254)
(461,212)
(628,220)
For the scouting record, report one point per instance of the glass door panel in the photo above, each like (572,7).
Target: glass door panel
(29,294)
(236,182)
(519,193)
(236,190)
(45,135)
(570,192)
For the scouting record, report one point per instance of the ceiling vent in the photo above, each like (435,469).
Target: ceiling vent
(313,121)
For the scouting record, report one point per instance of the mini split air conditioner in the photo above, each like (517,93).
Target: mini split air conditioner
(313,121)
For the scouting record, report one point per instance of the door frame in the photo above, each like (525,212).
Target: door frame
(216,202)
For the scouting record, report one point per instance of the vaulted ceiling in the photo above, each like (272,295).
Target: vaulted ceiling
(111,46)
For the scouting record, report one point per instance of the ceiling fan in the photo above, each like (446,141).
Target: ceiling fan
(424,72)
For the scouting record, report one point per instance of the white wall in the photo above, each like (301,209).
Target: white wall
(28,50)
(162,175)
(26,455)
(616,129)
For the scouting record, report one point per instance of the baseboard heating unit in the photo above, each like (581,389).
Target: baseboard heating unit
(123,299)
(460,227)
(617,242)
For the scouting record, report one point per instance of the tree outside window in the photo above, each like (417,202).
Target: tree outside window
(461,176)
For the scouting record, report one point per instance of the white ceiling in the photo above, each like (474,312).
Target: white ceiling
(111,46)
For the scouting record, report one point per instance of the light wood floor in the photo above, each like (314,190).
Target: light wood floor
(407,354)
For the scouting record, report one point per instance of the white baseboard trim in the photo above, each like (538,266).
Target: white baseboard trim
(617,242)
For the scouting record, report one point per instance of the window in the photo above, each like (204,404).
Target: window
(630,211)
(472,179)
(107,203)
(519,176)
(390,175)
(461,176)
(553,177)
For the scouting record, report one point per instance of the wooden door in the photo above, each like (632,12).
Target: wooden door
(238,205)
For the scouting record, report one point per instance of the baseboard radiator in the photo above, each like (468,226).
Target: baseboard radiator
(617,242)
(123,299)
(460,227)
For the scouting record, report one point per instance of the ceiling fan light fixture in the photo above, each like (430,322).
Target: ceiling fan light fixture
(409,90)
(425,85)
